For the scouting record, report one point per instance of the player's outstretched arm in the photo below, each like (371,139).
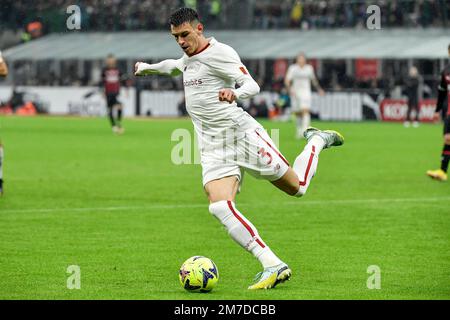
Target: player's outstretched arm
(248,87)
(316,84)
(169,67)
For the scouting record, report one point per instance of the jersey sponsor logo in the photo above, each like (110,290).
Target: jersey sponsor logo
(193,82)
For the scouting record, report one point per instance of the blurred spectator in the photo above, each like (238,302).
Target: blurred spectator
(25,36)
(190,4)
(411,86)
(258,110)
(296,14)
(34,29)
(283,101)
(214,14)
(16,99)
(182,107)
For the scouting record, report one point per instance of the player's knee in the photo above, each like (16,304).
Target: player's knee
(219,209)
(293,190)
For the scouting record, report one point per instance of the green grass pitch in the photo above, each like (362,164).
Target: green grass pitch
(116,206)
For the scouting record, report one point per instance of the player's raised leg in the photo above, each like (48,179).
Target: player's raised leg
(297,179)
(221,194)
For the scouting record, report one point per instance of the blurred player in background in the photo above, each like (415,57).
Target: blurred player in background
(210,72)
(111,79)
(444,92)
(412,92)
(3,73)
(298,81)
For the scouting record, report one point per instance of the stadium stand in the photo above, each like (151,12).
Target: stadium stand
(134,15)
(267,35)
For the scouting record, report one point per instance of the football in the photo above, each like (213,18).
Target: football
(199,274)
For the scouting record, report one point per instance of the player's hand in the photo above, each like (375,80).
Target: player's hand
(136,68)
(227,95)
(321,92)
(141,68)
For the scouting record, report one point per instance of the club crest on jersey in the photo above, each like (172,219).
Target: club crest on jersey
(243,70)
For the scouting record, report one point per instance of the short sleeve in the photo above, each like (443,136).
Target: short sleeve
(289,73)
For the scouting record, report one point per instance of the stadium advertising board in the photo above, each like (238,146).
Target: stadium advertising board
(82,101)
(396,110)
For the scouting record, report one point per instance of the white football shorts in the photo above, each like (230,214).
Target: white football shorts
(253,151)
(300,102)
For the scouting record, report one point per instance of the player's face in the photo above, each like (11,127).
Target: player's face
(188,36)
(301,60)
(111,62)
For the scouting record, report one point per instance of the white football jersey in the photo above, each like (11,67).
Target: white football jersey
(217,67)
(301,78)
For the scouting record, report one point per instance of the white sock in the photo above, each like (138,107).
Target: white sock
(305,165)
(243,232)
(1,162)
(300,124)
(306,121)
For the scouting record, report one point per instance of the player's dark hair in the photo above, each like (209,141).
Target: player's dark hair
(183,15)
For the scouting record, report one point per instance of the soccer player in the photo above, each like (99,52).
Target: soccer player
(111,78)
(412,84)
(298,81)
(443,92)
(3,73)
(210,71)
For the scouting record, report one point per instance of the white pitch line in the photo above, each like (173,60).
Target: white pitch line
(205,205)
